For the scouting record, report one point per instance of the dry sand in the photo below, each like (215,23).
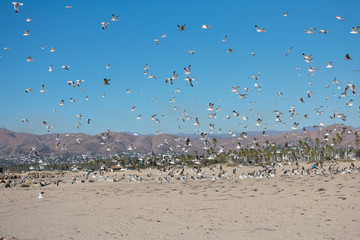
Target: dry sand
(283,207)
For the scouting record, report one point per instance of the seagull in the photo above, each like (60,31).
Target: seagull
(197,123)
(329,65)
(289,51)
(340,18)
(156,41)
(258,122)
(42,88)
(205,26)
(224,39)
(355,30)
(29,59)
(62,102)
(309,93)
(53,49)
(259,29)
(175,76)
(181,28)
(16,6)
(50,68)
(104,25)
(114,18)
(286,14)
(24,120)
(133,108)
(187,70)
(169,80)
(323,31)
(68,7)
(26,33)
(41,195)
(191,52)
(78,82)
(65,67)
(301,100)
(312,69)
(295,125)
(230,50)
(189,79)
(151,76)
(106,81)
(163,35)
(347,57)
(128,90)
(28,90)
(211,107)
(310,31)
(28,19)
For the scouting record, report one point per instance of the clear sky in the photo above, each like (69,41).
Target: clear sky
(128,45)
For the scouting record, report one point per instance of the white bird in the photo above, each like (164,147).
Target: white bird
(68,7)
(62,102)
(41,195)
(28,19)
(197,123)
(53,49)
(289,51)
(329,65)
(355,30)
(151,76)
(16,6)
(65,67)
(258,29)
(224,38)
(28,90)
(104,25)
(114,18)
(187,70)
(42,88)
(156,40)
(205,26)
(340,18)
(50,68)
(24,120)
(26,33)
(285,14)
(29,59)
(107,66)
(310,30)
(189,79)
(211,107)
(163,35)
(133,108)
(258,122)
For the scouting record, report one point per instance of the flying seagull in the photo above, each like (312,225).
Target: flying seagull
(258,29)
(16,6)
(106,81)
(181,28)
(104,25)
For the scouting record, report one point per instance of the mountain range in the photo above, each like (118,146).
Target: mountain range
(14,144)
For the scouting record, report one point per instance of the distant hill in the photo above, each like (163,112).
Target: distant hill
(13,143)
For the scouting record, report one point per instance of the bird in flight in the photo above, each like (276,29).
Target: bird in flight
(16,6)
(258,29)
(289,51)
(106,81)
(347,57)
(104,25)
(114,18)
(181,28)
(340,18)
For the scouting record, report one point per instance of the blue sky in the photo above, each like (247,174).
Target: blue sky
(127,45)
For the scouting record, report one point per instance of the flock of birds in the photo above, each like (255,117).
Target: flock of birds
(213,110)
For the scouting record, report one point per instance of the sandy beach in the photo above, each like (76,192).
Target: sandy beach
(285,206)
